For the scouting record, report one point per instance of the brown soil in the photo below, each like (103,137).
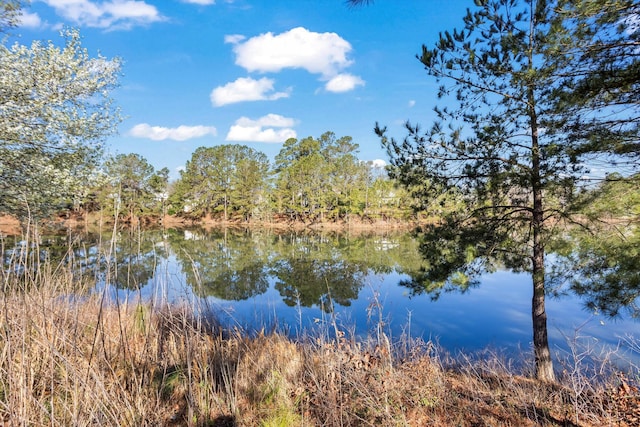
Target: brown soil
(9,226)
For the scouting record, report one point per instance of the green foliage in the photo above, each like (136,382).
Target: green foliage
(599,261)
(315,180)
(301,180)
(131,187)
(321,179)
(599,40)
(606,269)
(616,198)
(541,93)
(55,112)
(227,179)
(283,417)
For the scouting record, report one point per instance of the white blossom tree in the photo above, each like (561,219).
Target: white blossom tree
(55,112)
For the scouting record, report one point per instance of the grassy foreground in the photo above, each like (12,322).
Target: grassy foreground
(85,362)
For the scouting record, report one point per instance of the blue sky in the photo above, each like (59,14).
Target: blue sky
(211,72)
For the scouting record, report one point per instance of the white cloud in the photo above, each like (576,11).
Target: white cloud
(181,133)
(412,103)
(343,83)
(30,20)
(246,89)
(234,38)
(200,2)
(378,163)
(318,53)
(274,120)
(272,128)
(113,14)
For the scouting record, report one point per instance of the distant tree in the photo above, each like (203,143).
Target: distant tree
(301,182)
(133,187)
(55,112)
(159,185)
(348,176)
(228,178)
(616,199)
(320,179)
(250,190)
(513,149)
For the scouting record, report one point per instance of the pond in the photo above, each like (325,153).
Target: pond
(299,282)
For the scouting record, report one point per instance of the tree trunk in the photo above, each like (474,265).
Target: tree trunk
(543,362)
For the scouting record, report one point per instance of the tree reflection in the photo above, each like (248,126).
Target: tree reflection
(136,257)
(606,272)
(381,253)
(126,259)
(312,270)
(24,256)
(224,264)
(598,265)
(306,268)
(454,259)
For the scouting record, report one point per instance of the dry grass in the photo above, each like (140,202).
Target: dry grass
(76,363)
(86,361)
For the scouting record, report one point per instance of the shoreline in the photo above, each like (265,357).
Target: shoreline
(10,226)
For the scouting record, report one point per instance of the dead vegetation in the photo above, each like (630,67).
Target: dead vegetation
(81,362)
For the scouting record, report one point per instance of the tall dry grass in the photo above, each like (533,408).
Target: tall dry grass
(71,357)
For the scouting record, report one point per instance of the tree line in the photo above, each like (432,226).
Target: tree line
(311,180)
(56,112)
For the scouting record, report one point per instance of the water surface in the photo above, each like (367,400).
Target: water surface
(301,282)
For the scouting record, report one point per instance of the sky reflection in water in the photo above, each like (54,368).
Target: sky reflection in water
(495,314)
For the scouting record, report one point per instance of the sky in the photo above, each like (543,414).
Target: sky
(212,72)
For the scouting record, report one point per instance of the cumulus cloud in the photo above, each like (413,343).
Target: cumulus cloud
(30,20)
(325,54)
(113,14)
(272,128)
(274,120)
(412,103)
(181,133)
(343,83)
(246,89)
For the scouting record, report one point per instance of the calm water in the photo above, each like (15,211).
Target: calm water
(297,281)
